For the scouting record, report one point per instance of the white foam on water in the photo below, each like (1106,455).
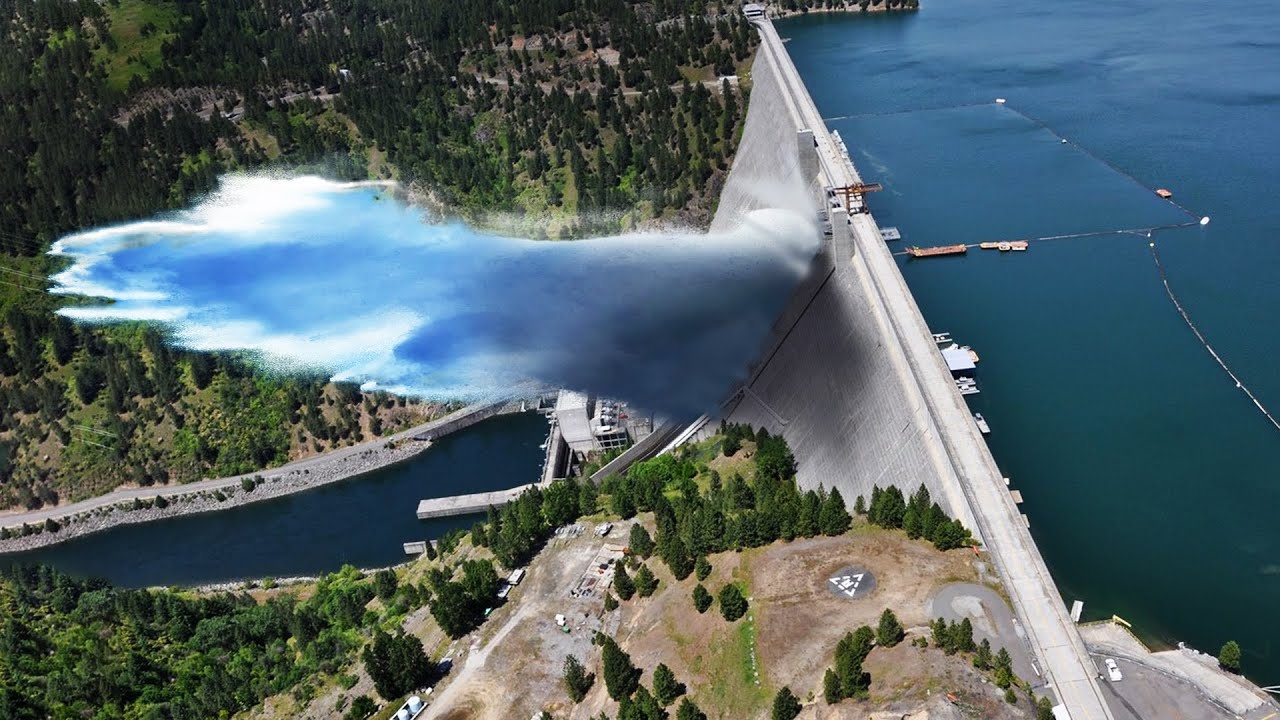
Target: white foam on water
(310,273)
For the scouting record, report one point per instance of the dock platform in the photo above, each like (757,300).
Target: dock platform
(467,504)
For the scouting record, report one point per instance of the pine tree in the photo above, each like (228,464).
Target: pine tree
(982,658)
(665,687)
(701,568)
(620,676)
(962,636)
(645,582)
(733,604)
(701,598)
(689,711)
(640,542)
(890,631)
(576,679)
(785,705)
(831,687)
(834,518)
(622,581)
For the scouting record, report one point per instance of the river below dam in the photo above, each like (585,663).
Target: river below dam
(362,521)
(1150,479)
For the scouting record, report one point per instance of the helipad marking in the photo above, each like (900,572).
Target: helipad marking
(848,584)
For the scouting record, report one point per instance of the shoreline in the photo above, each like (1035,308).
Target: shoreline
(850,8)
(138,505)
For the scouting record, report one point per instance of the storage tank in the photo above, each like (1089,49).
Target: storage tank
(415,705)
(402,714)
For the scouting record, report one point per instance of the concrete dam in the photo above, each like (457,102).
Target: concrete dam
(851,377)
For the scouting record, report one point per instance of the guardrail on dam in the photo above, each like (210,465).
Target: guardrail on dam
(851,377)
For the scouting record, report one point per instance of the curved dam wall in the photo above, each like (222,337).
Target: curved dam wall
(829,378)
(851,377)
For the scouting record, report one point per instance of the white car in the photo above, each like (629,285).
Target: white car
(1113,670)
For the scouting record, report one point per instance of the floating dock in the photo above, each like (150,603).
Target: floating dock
(467,504)
(1005,245)
(982,423)
(914,251)
(890,233)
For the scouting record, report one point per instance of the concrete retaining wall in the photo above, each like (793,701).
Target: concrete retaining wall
(467,420)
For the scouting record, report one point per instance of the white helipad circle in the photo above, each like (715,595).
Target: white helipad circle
(852,582)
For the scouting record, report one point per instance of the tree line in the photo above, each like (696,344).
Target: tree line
(596,110)
(80,648)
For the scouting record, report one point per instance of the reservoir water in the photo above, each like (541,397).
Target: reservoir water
(362,521)
(1150,480)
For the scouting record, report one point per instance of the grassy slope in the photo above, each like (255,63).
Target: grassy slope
(139,29)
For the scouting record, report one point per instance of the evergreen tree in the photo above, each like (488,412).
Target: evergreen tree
(982,658)
(689,711)
(645,582)
(621,501)
(701,598)
(834,518)
(890,631)
(622,581)
(733,604)
(702,568)
(1229,656)
(620,676)
(640,542)
(396,664)
(785,705)
(677,557)
(831,687)
(961,635)
(384,584)
(576,679)
(665,687)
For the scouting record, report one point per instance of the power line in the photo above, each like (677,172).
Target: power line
(11,271)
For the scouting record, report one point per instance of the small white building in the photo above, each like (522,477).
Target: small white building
(959,361)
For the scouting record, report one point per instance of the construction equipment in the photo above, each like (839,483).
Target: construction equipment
(853,192)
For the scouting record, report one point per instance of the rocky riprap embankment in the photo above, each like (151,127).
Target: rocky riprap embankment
(267,485)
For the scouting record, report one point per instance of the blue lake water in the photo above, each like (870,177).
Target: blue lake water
(1150,480)
(363,521)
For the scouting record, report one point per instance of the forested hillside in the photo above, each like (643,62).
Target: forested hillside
(568,116)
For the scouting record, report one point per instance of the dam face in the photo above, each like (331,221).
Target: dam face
(851,377)
(826,379)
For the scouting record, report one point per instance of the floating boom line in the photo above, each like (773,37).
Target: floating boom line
(1147,231)
(905,111)
(1164,278)
(1044,125)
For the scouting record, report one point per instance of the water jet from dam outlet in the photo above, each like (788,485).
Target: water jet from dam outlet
(343,278)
